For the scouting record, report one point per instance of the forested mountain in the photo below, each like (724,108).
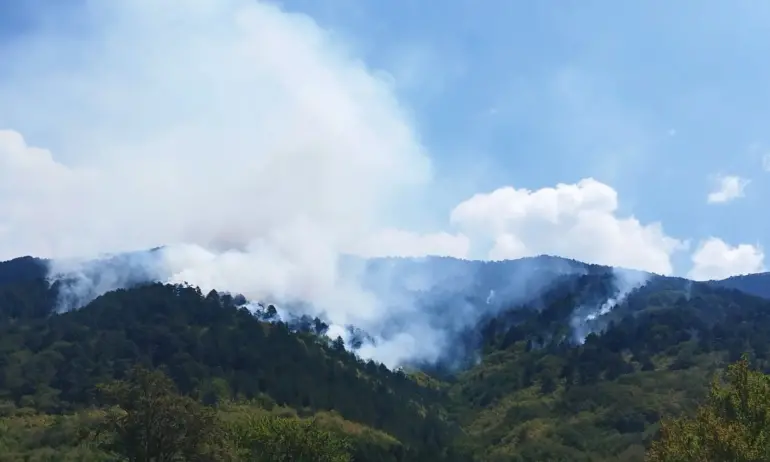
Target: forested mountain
(542,399)
(756,284)
(212,349)
(22,269)
(530,390)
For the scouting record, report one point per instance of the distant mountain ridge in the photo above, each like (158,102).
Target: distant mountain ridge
(27,268)
(756,284)
(22,269)
(442,301)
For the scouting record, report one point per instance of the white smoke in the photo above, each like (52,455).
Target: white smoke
(243,137)
(82,280)
(250,143)
(588,319)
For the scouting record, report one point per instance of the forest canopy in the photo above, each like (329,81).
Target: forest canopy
(247,376)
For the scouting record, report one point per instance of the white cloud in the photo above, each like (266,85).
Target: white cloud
(716,259)
(573,220)
(727,188)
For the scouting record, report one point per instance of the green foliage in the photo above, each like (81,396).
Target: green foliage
(219,382)
(733,424)
(281,439)
(154,423)
(28,436)
(214,352)
(535,397)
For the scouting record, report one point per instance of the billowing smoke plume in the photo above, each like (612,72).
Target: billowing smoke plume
(175,124)
(395,310)
(248,143)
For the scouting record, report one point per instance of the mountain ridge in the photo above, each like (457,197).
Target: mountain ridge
(29,267)
(472,290)
(525,390)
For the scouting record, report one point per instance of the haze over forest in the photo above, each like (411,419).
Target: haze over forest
(475,218)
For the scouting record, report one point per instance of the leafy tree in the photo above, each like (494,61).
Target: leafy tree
(154,423)
(733,425)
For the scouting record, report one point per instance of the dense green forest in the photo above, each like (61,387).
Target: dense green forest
(214,351)
(756,284)
(534,395)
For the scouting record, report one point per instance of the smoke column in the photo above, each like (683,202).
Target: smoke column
(251,145)
(173,124)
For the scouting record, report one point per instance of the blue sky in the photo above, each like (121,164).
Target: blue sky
(656,99)
(591,88)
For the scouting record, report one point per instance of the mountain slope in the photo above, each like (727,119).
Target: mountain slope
(528,388)
(535,397)
(213,349)
(756,284)
(22,269)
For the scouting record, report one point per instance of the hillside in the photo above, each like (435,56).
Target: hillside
(525,388)
(213,349)
(755,284)
(534,397)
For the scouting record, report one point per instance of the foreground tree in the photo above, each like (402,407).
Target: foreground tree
(152,422)
(733,425)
